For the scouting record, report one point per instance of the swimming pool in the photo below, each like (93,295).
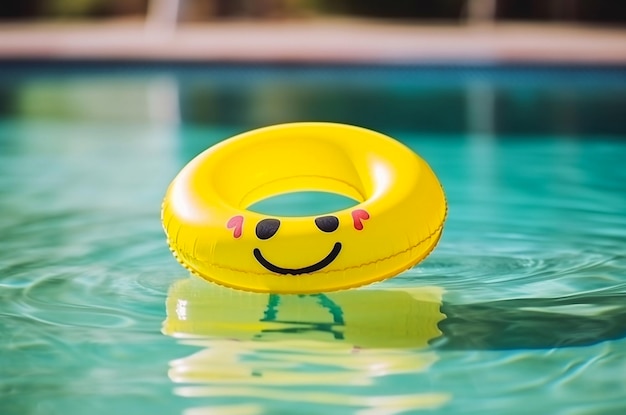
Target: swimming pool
(521,309)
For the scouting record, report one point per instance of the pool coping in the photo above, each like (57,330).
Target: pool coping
(315,41)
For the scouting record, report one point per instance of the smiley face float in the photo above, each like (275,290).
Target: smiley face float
(397,222)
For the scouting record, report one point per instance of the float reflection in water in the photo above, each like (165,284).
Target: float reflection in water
(269,347)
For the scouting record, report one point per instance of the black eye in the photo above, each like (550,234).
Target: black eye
(267,228)
(327,223)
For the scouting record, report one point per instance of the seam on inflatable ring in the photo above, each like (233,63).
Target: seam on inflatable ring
(437,230)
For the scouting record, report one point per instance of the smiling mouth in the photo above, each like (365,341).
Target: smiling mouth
(297,271)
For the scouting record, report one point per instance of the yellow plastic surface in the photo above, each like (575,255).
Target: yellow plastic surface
(263,346)
(397,222)
(368,318)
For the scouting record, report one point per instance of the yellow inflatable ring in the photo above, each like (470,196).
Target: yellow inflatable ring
(397,222)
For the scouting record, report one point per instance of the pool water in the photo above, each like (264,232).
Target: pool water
(521,308)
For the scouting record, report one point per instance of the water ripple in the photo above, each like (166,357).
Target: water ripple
(530,275)
(475,276)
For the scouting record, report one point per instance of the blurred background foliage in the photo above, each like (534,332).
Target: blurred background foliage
(580,11)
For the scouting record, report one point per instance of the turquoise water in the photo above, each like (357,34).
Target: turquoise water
(521,309)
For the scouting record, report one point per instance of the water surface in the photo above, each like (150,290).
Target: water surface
(521,308)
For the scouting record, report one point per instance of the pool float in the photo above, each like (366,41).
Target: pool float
(396,223)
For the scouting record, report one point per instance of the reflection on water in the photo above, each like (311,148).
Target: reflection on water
(426,100)
(538,323)
(269,347)
(266,346)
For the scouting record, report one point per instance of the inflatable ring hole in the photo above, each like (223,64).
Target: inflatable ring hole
(302,204)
